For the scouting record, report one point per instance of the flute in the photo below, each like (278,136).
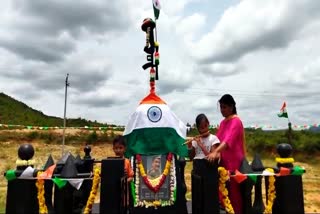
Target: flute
(200,135)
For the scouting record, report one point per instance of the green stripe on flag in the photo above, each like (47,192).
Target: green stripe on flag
(283,114)
(156,8)
(153,141)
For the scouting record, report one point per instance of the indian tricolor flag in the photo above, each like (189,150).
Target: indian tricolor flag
(154,129)
(156,8)
(283,111)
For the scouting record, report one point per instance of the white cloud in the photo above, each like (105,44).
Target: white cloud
(189,27)
(261,52)
(252,25)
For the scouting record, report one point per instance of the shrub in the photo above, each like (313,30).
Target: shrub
(92,137)
(32,135)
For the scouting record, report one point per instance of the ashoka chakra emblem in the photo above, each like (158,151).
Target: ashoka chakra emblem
(154,114)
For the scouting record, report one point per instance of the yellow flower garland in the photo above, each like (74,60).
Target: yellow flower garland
(271,193)
(284,160)
(20,162)
(41,199)
(223,178)
(93,192)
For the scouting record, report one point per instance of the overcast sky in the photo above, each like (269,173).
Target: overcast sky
(261,52)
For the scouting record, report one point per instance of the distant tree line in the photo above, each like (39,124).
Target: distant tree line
(265,142)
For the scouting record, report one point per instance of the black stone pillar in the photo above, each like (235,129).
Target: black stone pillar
(112,170)
(181,202)
(205,186)
(246,188)
(22,197)
(22,194)
(258,206)
(85,166)
(63,199)
(289,189)
(48,187)
(246,185)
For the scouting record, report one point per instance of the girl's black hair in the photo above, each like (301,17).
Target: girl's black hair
(119,140)
(199,118)
(228,100)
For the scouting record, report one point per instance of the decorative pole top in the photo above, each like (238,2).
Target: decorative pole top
(152,49)
(25,154)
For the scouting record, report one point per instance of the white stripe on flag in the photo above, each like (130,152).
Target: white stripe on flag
(139,120)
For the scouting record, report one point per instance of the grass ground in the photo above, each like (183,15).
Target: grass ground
(8,156)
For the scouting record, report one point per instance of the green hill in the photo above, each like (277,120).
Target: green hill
(14,112)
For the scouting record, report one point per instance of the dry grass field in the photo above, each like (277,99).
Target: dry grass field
(8,156)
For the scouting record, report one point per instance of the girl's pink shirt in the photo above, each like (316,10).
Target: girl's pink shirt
(232,133)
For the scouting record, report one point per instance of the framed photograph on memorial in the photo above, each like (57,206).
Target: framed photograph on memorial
(154,166)
(155,182)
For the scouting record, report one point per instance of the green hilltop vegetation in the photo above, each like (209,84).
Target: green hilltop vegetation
(14,112)
(305,143)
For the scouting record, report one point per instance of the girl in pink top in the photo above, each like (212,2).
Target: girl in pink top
(231,148)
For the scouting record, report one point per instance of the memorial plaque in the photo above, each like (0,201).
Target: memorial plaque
(154,166)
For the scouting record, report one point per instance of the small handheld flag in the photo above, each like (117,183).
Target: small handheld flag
(283,111)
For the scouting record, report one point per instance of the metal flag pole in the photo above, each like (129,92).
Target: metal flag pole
(289,131)
(64,116)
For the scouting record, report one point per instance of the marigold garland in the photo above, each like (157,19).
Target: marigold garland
(41,199)
(93,192)
(223,178)
(20,162)
(284,160)
(271,192)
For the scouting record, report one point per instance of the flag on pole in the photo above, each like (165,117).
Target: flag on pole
(156,8)
(283,111)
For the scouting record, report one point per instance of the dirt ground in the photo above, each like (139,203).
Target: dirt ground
(8,156)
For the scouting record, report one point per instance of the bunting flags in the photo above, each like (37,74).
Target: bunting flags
(121,128)
(48,173)
(253,178)
(267,172)
(297,170)
(59,182)
(76,183)
(11,175)
(283,171)
(239,177)
(283,111)
(27,173)
(29,127)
